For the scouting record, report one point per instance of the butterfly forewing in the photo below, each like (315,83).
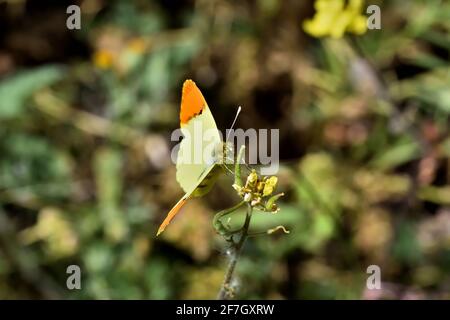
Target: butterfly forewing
(197,163)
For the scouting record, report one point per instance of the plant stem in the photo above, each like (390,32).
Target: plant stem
(217,223)
(224,293)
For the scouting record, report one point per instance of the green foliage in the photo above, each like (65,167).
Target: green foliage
(86,178)
(16,90)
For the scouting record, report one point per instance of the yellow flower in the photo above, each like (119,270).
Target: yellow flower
(103,59)
(334,18)
(252,180)
(137,45)
(55,230)
(269,186)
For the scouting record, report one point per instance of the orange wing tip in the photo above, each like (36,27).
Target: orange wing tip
(192,101)
(172,213)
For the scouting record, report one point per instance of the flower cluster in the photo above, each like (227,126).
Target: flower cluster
(258,192)
(118,53)
(334,18)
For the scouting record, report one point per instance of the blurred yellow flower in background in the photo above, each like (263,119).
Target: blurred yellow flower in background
(117,51)
(137,45)
(55,230)
(334,18)
(103,59)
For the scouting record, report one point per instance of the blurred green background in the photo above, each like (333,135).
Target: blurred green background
(85,171)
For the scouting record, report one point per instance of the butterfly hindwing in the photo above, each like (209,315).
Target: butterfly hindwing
(204,184)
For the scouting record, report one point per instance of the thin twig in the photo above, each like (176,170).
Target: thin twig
(226,288)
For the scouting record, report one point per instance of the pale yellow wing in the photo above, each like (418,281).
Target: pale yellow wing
(201,137)
(204,184)
(197,168)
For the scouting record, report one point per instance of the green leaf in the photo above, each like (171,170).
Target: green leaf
(108,167)
(15,90)
(406,247)
(396,155)
(439,195)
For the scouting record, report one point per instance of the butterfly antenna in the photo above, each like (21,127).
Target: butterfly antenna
(234,122)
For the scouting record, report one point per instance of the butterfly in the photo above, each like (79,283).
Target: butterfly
(196,178)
